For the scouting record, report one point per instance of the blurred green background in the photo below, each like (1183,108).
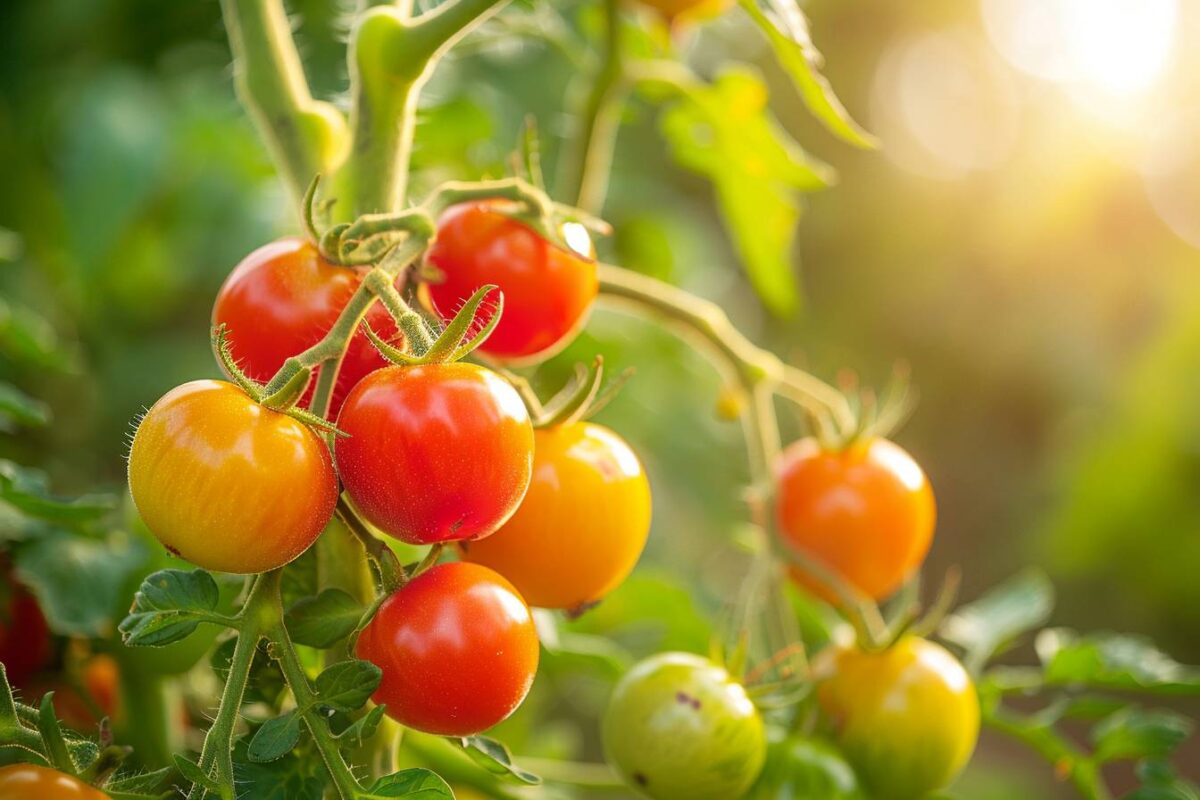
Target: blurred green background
(1025,241)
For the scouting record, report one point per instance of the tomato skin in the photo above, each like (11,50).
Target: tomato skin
(226,483)
(671,10)
(25,643)
(457,647)
(435,453)
(866,512)
(804,768)
(679,728)
(32,782)
(281,299)
(548,291)
(906,717)
(582,525)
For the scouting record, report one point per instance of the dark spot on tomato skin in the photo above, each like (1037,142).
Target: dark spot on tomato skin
(640,779)
(683,698)
(172,551)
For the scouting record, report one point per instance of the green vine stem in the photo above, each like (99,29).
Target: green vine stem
(306,137)
(1061,753)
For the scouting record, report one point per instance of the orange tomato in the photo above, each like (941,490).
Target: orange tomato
(671,10)
(31,782)
(866,512)
(228,484)
(582,525)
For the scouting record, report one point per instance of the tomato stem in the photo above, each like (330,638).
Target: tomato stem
(391,574)
(1070,762)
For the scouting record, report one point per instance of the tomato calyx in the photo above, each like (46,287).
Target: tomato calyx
(370,239)
(469,328)
(583,396)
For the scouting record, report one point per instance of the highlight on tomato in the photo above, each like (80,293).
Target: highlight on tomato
(281,299)
(548,291)
(457,647)
(906,717)
(435,453)
(582,525)
(866,512)
(679,727)
(32,782)
(228,484)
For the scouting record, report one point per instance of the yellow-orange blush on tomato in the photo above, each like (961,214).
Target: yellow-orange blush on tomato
(31,782)
(582,525)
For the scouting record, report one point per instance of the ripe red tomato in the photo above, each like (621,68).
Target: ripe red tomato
(281,299)
(866,512)
(906,717)
(31,782)
(25,644)
(582,525)
(228,484)
(457,647)
(435,453)
(548,291)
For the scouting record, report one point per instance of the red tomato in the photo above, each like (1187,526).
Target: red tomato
(548,291)
(866,512)
(281,300)
(457,647)
(435,453)
(582,525)
(25,644)
(31,782)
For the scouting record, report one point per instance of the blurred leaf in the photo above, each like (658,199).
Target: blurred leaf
(987,624)
(1134,733)
(20,408)
(1159,782)
(363,728)
(295,776)
(724,132)
(275,738)
(790,38)
(77,580)
(1112,661)
(28,340)
(495,758)
(647,613)
(421,784)
(168,606)
(138,783)
(322,620)
(348,685)
(27,490)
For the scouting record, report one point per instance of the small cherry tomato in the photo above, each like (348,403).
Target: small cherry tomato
(457,647)
(695,10)
(548,291)
(25,644)
(803,768)
(435,453)
(678,727)
(582,525)
(31,782)
(866,512)
(229,484)
(906,717)
(281,299)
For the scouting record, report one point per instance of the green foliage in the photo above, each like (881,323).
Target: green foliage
(323,620)
(170,605)
(495,758)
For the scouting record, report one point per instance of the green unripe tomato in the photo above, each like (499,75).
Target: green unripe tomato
(678,727)
(803,768)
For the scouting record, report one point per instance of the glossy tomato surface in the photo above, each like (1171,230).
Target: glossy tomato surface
(678,727)
(435,453)
(582,525)
(25,644)
(866,512)
(687,9)
(226,483)
(31,782)
(548,291)
(457,647)
(281,299)
(906,717)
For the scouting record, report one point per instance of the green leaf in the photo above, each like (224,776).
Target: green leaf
(725,132)
(1134,733)
(52,735)
(139,783)
(1160,782)
(421,784)
(28,340)
(348,685)
(356,733)
(495,758)
(77,580)
(275,738)
(789,37)
(192,773)
(322,620)
(983,627)
(27,490)
(168,606)
(1113,661)
(296,776)
(20,408)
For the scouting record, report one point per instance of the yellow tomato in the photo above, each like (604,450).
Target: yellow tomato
(228,484)
(582,525)
(31,782)
(906,717)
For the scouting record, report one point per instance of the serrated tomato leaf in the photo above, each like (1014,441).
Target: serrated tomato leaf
(192,773)
(27,490)
(348,685)
(363,728)
(19,408)
(275,738)
(986,625)
(417,783)
(1112,661)
(168,606)
(495,758)
(1134,733)
(322,620)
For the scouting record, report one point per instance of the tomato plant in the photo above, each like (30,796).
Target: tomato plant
(804,768)
(207,468)
(457,648)
(25,645)
(581,526)
(678,726)
(31,782)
